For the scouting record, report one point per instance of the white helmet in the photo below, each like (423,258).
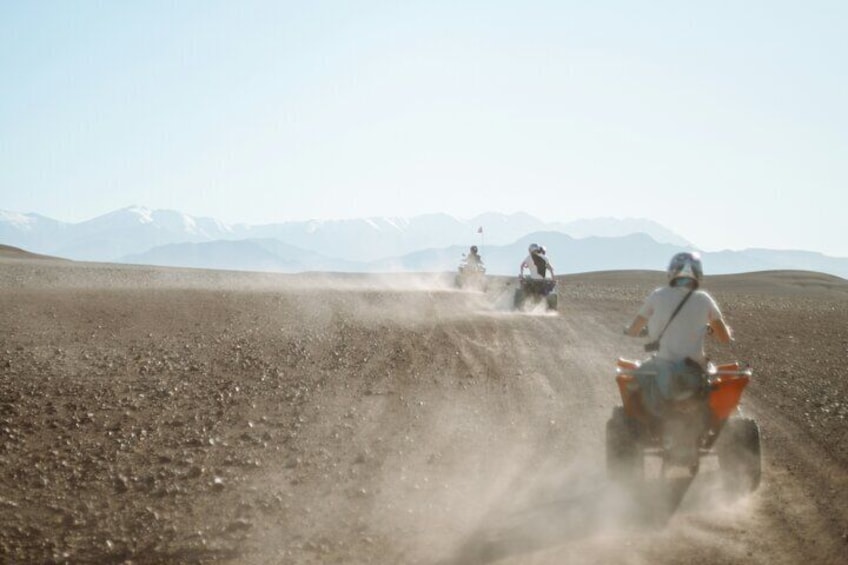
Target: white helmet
(685,265)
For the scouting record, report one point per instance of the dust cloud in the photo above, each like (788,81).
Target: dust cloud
(575,511)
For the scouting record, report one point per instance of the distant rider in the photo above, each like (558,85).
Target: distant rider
(473,258)
(536,263)
(677,369)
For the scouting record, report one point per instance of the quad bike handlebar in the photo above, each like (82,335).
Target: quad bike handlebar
(630,367)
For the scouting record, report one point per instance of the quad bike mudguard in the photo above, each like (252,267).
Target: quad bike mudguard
(726,383)
(538,287)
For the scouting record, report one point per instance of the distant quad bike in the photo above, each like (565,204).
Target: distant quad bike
(535,291)
(689,432)
(471,276)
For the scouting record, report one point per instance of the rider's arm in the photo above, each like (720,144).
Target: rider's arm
(721,331)
(718,327)
(646,311)
(636,326)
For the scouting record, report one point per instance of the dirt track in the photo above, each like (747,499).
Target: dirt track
(161,416)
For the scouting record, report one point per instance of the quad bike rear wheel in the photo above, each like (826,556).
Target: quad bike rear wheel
(739,454)
(519,298)
(625,459)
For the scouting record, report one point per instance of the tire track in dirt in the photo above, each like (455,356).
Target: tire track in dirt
(802,503)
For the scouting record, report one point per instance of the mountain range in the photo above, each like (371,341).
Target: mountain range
(426,243)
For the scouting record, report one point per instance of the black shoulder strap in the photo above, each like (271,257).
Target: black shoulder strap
(541,264)
(676,310)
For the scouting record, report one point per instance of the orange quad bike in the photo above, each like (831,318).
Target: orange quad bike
(689,429)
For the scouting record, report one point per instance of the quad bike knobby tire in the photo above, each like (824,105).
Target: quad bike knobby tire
(739,454)
(519,298)
(625,459)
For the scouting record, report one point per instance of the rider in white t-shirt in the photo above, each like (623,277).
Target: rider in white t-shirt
(536,263)
(683,340)
(684,336)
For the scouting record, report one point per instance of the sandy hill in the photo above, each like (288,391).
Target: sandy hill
(9,252)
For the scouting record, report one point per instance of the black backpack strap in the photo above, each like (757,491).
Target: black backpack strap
(541,264)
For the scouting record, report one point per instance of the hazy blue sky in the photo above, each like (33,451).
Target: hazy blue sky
(726,121)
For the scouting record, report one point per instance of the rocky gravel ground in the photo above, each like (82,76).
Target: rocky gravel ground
(166,416)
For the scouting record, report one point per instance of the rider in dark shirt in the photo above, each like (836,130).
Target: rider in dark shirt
(474,258)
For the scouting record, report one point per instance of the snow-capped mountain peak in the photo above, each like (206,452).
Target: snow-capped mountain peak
(429,241)
(143,215)
(16,219)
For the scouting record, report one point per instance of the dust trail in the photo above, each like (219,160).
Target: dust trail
(382,281)
(578,507)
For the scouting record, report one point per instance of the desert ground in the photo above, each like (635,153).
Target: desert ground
(188,416)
